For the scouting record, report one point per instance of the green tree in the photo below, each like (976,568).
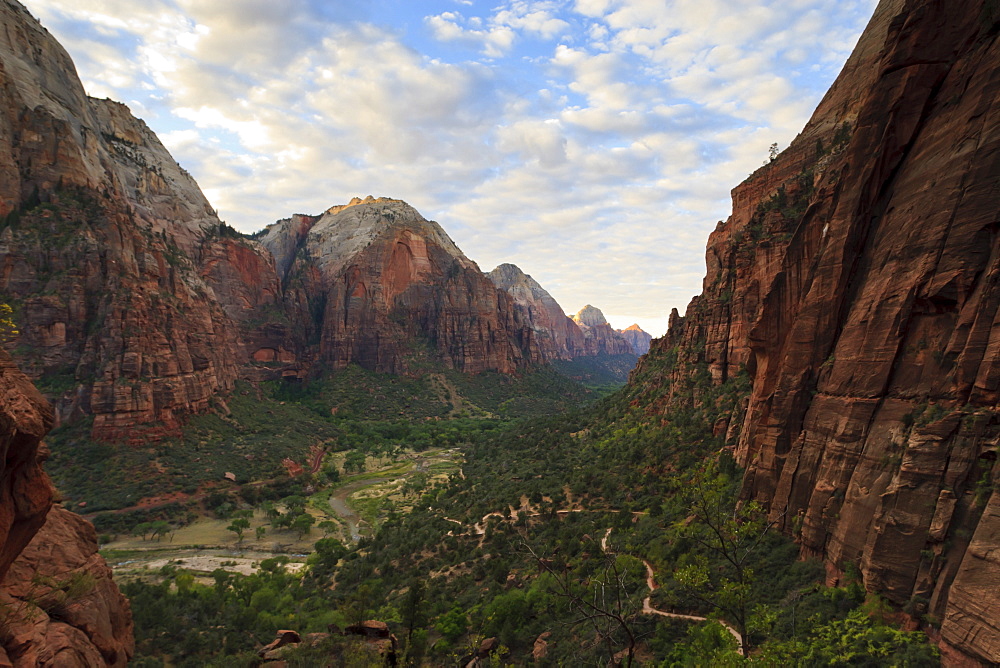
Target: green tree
(730,536)
(858,640)
(261,532)
(413,608)
(354,461)
(271,511)
(159,528)
(302,523)
(452,624)
(238,526)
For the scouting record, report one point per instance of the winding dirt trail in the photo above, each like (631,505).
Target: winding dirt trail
(647,604)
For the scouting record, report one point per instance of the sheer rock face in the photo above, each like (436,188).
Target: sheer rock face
(375,277)
(637,338)
(600,337)
(858,283)
(557,335)
(130,292)
(43,550)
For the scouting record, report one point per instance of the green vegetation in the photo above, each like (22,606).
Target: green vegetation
(602,373)
(260,426)
(550,529)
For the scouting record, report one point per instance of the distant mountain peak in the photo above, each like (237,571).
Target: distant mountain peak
(590,316)
(510,278)
(637,338)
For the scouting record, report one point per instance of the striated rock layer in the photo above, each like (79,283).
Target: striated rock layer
(857,282)
(58,601)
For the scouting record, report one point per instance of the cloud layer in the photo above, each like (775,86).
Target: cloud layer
(591,142)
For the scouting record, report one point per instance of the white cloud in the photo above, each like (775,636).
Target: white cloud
(493,42)
(593,143)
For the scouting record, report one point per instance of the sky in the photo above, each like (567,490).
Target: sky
(593,143)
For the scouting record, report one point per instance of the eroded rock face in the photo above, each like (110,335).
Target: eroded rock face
(128,288)
(67,609)
(557,335)
(59,603)
(25,490)
(857,282)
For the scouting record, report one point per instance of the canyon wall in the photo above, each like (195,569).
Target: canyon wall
(109,253)
(374,283)
(857,283)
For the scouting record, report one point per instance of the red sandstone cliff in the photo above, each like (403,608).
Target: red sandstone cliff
(858,283)
(58,603)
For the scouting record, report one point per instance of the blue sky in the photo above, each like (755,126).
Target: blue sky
(593,143)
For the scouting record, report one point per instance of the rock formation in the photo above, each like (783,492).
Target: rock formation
(557,335)
(58,602)
(637,338)
(601,338)
(857,283)
(117,267)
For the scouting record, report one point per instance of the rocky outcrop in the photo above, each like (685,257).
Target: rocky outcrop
(601,338)
(557,335)
(637,338)
(64,607)
(376,279)
(856,283)
(25,490)
(58,603)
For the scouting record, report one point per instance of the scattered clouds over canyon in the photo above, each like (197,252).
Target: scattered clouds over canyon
(591,142)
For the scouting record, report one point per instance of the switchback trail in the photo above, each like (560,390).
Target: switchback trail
(647,604)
